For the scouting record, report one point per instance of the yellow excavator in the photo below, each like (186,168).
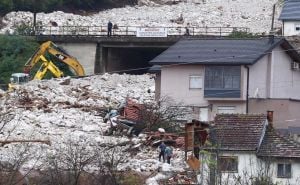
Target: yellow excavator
(44,55)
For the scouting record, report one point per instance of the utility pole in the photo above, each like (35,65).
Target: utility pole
(273,15)
(34,17)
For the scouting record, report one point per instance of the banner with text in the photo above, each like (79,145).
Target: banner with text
(151,32)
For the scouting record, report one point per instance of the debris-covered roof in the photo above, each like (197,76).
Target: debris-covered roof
(290,10)
(238,131)
(274,145)
(220,51)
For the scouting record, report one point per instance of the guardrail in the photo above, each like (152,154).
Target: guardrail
(132,30)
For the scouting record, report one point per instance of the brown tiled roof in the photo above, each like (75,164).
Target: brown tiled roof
(238,131)
(132,110)
(274,145)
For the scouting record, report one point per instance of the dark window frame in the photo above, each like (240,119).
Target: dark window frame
(222,81)
(228,164)
(285,171)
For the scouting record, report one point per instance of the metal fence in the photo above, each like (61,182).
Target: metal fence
(132,30)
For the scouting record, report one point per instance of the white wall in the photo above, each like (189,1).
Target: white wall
(174,83)
(294,180)
(250,166)
(286,82)
(272,77)
(289,28)
(258,78)
(247,167)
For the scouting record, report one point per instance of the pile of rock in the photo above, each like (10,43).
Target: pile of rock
(256,15)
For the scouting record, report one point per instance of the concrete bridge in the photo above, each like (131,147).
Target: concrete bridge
(125,51)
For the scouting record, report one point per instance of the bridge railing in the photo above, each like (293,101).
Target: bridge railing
(131,30)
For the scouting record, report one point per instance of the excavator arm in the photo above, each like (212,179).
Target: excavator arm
(49,48)
(67,59)
(35,58)
(47,65)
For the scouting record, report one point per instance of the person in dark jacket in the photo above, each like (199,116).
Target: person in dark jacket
(109,27)
(162,148)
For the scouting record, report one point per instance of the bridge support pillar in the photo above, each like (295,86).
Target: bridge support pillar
(101,59)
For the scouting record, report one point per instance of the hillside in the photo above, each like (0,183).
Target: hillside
(256,15)
(69,114)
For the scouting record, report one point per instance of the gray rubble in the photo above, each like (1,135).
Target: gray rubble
(256,15)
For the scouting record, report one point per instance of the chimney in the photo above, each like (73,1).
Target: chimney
(270,116)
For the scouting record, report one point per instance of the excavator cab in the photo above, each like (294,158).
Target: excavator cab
(17,79)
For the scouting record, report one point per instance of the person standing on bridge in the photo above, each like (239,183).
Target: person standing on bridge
(109,27)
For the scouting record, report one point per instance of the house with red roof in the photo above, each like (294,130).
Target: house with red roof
(246,149)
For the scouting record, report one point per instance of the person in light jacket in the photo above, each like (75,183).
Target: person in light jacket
(169,154)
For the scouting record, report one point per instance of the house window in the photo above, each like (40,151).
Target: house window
(195,82)
(284,170)
(226,109)
(222,81)
(228,164)
(297,27)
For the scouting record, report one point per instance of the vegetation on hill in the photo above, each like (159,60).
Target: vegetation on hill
(65,5)
(14,52)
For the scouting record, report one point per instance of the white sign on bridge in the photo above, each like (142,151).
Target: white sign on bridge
(151,32)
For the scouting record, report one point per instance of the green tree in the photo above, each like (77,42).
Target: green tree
(14,52)
(37,5)
(6,6)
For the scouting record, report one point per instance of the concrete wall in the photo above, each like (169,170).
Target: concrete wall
(286,112)
(272,77)
(289,28)
(157,86)
(85,54)
(286,82)
(251,166)
(258,78)
(175,83)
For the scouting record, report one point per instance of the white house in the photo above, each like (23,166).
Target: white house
(290,17)
(245,149)
(224,75)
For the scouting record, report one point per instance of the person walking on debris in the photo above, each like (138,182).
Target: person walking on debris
(168,153)
(162,148)
(109,27)
(187,30)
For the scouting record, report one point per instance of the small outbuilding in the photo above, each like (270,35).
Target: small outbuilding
(290,17)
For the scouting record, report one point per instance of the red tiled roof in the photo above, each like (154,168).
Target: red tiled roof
(274,145)
(237,131)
